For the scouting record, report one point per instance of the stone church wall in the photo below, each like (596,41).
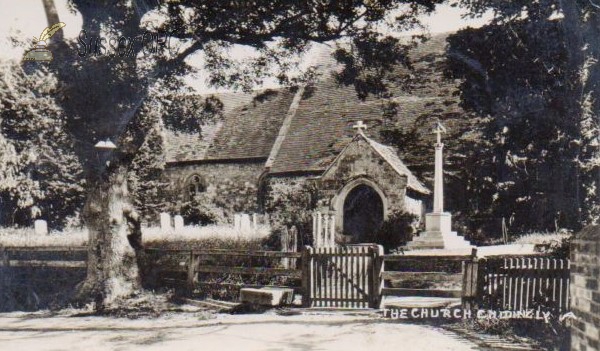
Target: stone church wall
(360,161)
(280,189)
(230,186)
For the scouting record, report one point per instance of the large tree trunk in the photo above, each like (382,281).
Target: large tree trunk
(112,266)
(113,226)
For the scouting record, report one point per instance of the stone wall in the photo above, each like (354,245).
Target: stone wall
(585,289)
(230,186)
(360,161)
(281,189)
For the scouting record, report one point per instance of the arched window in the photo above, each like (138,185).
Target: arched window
(195,186)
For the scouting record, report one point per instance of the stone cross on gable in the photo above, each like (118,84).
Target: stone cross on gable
(360,127)
(439,129)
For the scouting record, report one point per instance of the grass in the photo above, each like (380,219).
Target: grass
(535,238)
(27,237)
(193,233)
(542,238)
(152,236)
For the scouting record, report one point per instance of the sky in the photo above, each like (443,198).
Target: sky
(25,19)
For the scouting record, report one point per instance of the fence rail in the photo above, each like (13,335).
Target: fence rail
(345,277)
(44,257)
(425,276)
(197,264)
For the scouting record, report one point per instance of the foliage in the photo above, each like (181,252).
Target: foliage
(145,180)
(206,238)
(187,114)
(396,231)
(201,210)
(293,205)
(211,236)
(40,175)
(541,160)
(562,248)
(27,237)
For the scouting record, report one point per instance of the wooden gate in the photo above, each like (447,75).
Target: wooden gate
(343,277)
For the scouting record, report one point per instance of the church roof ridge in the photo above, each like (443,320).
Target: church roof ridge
(285,127)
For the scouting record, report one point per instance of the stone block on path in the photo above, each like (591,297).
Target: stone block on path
(267,296)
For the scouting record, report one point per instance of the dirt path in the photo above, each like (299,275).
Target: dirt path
(186,331)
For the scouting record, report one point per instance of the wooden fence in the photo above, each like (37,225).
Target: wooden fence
(426,276)
(517,283)
(47,256)
(182,268)
(342,277)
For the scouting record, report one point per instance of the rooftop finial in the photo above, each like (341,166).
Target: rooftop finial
(360,127)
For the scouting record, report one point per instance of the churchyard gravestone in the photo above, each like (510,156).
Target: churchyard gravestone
(165,222)
(237,222)
(245,225)
(40,227)
(178,222)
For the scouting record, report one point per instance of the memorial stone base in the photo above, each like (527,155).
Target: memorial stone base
(438,234)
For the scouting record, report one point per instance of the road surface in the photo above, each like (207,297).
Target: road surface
(189,331)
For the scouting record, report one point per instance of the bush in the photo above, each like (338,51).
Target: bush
(294,206)
(201,211)
(396,231)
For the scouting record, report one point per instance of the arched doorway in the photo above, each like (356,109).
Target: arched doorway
(363,213)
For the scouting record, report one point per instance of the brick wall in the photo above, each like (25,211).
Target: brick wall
(585,290)
(231,186)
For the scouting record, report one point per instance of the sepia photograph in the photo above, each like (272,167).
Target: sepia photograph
(299,175)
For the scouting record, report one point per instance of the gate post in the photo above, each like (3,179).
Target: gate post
(306,276)
(470,270)
(192,277)
(376,276)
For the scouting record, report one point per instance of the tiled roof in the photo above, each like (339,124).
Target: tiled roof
(322,124)
(250,131)
(247,130)
(192,146)
(189,147)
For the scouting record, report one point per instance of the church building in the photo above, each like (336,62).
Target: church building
(323,137)
(291,138)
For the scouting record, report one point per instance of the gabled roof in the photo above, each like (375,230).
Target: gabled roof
(189,146)
(247,131)
(391,157)
(321,125)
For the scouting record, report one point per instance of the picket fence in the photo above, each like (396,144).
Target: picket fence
(518,283)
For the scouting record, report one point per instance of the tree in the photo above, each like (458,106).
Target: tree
(39,164)
(279,31)
(538,84)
